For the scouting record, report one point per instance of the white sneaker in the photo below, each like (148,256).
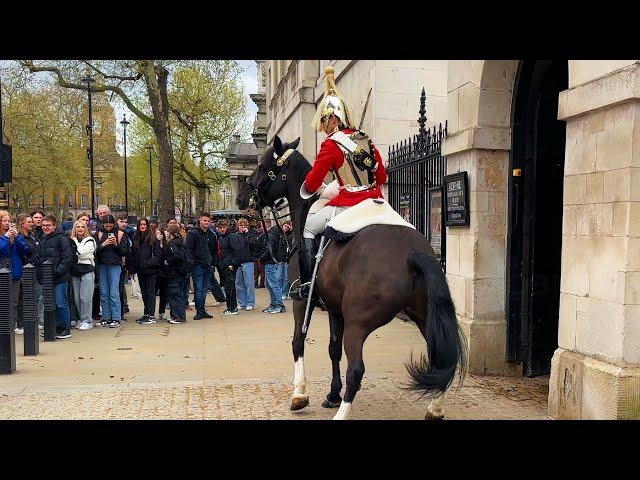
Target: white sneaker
(249,308)
(85,326)
(162,317)
(192,304)
(40,327)
(19,331)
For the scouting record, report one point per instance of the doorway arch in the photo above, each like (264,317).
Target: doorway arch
(534,218)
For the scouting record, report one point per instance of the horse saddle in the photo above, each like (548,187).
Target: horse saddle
(372,211)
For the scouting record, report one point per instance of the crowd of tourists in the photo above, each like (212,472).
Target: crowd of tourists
(94,260)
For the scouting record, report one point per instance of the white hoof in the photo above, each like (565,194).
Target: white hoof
(343,411)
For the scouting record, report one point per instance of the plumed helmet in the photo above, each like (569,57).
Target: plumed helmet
(331,103)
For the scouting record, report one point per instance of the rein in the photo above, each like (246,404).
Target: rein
(256,199)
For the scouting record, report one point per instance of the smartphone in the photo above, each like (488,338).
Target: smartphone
(111,235)
(12,225)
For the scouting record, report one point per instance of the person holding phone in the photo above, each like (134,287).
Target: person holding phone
(13,247)
(112,244)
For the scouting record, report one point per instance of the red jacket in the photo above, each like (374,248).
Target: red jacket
(330,157)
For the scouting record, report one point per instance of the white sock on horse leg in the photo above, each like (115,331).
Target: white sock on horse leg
(436,407)
(299,379)
(343,411)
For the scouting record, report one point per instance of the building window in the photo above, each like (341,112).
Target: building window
(84,201)
(71,200)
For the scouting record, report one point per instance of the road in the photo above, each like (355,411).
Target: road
(237,367)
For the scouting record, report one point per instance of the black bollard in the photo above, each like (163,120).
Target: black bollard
(7,334)
(30,310)
(49,300)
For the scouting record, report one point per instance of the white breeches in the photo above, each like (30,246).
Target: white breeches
(316,222)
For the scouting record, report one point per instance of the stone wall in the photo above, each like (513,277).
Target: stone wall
(479,106)
(596,370)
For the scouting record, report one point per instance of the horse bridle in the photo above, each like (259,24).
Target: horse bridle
(278,171)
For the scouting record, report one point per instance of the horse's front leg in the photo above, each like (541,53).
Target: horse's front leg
(300,397)
(336,326)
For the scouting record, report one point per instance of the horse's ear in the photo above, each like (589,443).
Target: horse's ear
(277,146)
(293,145)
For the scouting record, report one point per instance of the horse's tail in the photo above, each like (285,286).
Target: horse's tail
(446,344)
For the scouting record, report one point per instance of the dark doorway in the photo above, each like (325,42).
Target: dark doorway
(535,215)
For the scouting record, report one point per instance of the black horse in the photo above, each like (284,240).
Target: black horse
(364,283)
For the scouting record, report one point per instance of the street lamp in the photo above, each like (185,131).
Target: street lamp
(88,79)
(150,148)
(124,124)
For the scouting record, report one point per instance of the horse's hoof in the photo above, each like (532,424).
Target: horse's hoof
(329,404)
(298,403)
(431,416)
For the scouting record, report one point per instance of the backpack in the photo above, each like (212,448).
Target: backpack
(183,263)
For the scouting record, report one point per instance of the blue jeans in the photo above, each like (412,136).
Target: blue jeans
(245,286)
(110,291)
(273,273)
(201,277)
(285,280)
(63,313)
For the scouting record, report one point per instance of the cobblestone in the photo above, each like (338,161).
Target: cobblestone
(380,398)
(235,368)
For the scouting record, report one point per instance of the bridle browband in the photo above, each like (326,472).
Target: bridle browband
(256,199)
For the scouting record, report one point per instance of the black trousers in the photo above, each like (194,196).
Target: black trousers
(148,290)
(95,311)
(214,286)
(162,289)
(230,287)
(123,292)
(175,295)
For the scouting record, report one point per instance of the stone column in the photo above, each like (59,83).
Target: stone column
(479,99)
(595,372)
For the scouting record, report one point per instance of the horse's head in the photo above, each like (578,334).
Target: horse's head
(268,182)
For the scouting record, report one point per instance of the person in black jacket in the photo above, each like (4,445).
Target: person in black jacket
(175,259)
(201,246)
(55,246)
(229,264)
(113,244)
(245,287)
(273,260)
(146,257)
(37,216)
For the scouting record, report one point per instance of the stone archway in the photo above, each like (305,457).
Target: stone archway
(596,368)
(479,99)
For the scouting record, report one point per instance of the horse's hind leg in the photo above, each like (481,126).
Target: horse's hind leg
(336,325)
(435,410)
(300,397)
(354,338)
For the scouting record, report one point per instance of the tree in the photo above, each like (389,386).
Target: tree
(210,100)
(142,85)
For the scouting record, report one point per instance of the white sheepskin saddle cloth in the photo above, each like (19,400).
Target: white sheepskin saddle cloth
(368,212)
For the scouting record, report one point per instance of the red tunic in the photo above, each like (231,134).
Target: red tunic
(330,157)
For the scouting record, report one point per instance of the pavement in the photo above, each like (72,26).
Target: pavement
(236,367)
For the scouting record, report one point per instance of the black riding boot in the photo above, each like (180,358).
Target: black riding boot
(307,257)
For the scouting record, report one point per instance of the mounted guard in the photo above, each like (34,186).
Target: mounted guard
(356,164)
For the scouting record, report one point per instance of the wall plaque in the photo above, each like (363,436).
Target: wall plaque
(456,200)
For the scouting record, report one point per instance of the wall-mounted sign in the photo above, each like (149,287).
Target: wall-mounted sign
(436,230)
(405,209)
(456,200)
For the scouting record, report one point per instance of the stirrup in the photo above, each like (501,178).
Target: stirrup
(300,292)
